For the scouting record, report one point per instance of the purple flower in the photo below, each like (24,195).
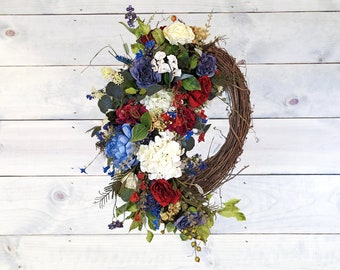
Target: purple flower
(207,65)
(192,219)
(142,72)
(121,149)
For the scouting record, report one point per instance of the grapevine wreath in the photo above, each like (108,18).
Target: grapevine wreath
(154,114)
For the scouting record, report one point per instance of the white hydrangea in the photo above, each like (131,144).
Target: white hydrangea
(158,103)
(161,158)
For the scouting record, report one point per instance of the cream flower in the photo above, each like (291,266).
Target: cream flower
(161,158)
(158,103)
(178,32)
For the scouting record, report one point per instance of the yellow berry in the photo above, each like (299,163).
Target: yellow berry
(198,248)
(162,231)
(199,237)
(197,259)
(193,244)
(173,18)
(185,231)
(189,237)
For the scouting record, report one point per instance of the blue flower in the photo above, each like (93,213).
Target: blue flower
(207,65)
(121,149)
(189,135)
(83,170)
(143,73)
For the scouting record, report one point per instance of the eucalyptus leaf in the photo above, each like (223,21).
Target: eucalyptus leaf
(105,103)
(153,89)
(114,90)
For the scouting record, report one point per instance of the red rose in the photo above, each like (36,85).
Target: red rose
(134,197)
(130,113)
(198,97)
(163,192)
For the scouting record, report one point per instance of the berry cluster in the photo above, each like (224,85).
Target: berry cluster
(115,224)
(130,16)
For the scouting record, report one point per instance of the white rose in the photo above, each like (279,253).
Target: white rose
(178,32)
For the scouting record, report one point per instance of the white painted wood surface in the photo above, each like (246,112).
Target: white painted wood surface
(290,192)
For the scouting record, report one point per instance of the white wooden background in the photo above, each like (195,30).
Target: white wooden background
(290,192)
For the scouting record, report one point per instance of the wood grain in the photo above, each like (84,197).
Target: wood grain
(290,193)
(242,252)
(175,6)
(258,38)
(276,91)
(272,204)
(283,146)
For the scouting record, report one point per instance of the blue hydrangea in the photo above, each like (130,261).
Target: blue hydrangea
(121,149)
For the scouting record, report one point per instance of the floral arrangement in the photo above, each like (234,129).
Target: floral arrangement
(154,115)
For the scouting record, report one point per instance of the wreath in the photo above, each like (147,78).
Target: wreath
(154,115)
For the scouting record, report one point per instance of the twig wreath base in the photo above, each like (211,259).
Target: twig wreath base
(220,166)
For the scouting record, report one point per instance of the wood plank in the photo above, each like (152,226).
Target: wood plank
(285,146)
(129,252)
(276,91)
(272,204)
(176,6)
(256,37)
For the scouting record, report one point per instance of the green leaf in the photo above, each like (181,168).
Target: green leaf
(139,132)
(132,207)
(136,47)
(158,36)
(120,210)
(204,232)
(170,227)
(240,216)
(183,237)
(142,29)
(183,60)
(132,30)
(105,103)
(131,91)
(146,120)
(193,62)
(126,194)
(191,84)
(231,210)
(149,236)
(135,224)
